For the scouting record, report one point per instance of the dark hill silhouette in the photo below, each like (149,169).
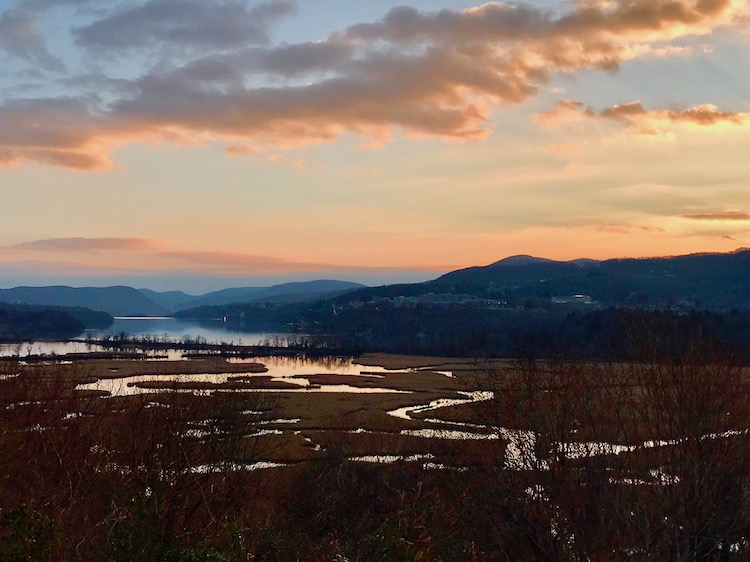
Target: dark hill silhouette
(313,289)
(715,281)
(126,301)
(25,322)
(175,301)
(168,300)
(509,309)
(224,296)
(117,301)
(520,260)
(710,281)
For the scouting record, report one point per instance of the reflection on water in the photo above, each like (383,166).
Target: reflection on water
(406,412)
(289,366)
(46,348)
(222,467)
(449,434)
(177,329)
(289,370)
(163,329)
(389,459)
(127,386)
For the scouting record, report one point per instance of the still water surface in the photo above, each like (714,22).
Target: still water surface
(210,331)
(213,331)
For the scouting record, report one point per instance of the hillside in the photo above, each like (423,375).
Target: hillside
(716,282)
(25,322)
(117,301)
(168,300)
(525,305)
(175,301)
(126,301)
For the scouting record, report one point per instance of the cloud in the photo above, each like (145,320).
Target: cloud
(625,111)
(286,61)
(220,24)
(61,132)
(567,111)
(239,150)
(718,216)
(20,36)
(87,244)
(704,115)
(20,33)
(424,74)
(651,122)
(123,255)
(663,123)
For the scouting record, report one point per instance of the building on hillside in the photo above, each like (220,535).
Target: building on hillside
(573,299)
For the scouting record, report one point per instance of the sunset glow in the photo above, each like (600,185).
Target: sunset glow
(201,144)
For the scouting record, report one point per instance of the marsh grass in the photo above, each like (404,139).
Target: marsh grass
(167,475)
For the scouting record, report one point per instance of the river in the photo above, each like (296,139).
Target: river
(173,329)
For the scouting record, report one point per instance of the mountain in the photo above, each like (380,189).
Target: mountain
(719,282)
(305,290)
(520,260)
(175,301)
(22,322)
(91,319)
(117,301)
(713,281)
(170,301)
(126,301)
(224,296)
(26,322)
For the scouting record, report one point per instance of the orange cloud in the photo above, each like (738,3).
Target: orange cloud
(718,216)
(427,74)
(131,256)
(242,150)
(641,120)
(88,244)
(706,115)
(567,111)
(620,228)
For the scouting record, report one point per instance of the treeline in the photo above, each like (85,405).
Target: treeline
(313,345)
(608,334)
(599,335)
(26,322)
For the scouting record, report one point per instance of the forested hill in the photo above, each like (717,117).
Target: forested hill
(523,304)
(127,301)
(117,301)
(284,292)
(24,322)
(719,282)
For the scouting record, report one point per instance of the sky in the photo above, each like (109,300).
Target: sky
(203,144)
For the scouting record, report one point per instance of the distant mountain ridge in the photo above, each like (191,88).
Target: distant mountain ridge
(175,301)
(712,281)
(117,301)
(127,301)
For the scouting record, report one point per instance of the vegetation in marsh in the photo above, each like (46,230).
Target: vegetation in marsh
(648,459)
